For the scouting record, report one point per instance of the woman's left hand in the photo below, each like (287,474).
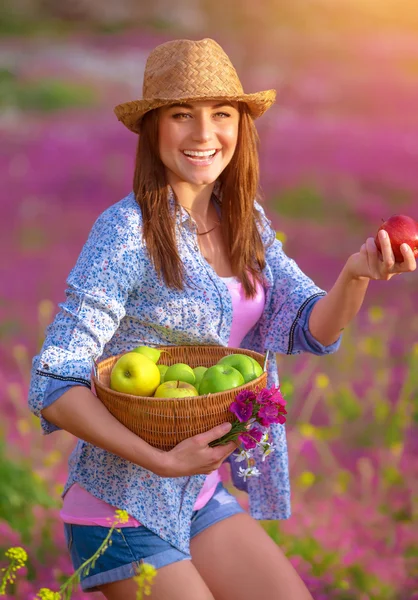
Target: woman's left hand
(371,264)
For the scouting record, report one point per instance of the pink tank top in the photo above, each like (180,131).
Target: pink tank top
(82,508)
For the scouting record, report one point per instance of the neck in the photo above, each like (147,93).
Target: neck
(195,199)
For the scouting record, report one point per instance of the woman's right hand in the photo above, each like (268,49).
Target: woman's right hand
(194,456)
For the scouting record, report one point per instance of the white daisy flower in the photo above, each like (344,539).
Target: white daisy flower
(248,472)
(243,455)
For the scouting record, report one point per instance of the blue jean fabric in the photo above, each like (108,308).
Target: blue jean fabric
(133,545)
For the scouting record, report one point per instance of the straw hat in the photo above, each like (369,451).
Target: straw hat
(187,71)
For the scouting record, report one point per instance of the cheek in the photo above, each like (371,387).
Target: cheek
(230,135)
(168,136)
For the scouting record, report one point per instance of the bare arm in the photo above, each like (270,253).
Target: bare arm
(81,413)
(335,310)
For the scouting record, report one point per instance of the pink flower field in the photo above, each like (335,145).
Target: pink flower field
(339,153)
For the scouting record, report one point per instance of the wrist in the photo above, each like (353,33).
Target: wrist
(350,272)
(161,463)
(148,457)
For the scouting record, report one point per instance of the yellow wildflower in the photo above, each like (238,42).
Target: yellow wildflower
(306,479)
(23,426)
(308,431)
(321,381)
(52,458)
(17,558)
(18,555)
(121,516)
(20,353)
(45,310)
(397,449)
(144,578)
(281,236)
(376,314)
(47,594)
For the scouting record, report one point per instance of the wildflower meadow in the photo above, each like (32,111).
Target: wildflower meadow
(339,153)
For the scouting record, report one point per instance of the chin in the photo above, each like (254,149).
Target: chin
(203,180)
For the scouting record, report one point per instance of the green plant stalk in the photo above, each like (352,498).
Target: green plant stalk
(67,587)
(8,577)
(231,436)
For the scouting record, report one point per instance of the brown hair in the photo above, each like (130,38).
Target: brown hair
(239,187)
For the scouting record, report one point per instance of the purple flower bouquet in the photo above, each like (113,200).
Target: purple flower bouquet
(255,412)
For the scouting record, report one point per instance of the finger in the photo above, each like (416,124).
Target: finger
(388,257)
(409,262)
(372,258)
(213,434)
(219,453)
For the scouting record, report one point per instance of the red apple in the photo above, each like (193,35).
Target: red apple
(401,230)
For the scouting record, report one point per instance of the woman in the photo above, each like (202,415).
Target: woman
(187,258)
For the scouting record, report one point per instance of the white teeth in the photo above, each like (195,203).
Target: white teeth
(205,154)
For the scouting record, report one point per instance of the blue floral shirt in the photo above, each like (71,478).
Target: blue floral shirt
(115,302)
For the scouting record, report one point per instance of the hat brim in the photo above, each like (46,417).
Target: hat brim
(130,113)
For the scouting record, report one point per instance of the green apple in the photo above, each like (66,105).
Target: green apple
(151,353)
(134,374)
(180,372)
(175,389)
(199,372)
(257,367)
(162,369)
(242,363)
(220,378)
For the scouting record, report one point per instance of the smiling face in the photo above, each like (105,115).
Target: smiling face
(197,140)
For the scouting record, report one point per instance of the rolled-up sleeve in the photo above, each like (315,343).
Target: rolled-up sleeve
(303,338)
(98,287)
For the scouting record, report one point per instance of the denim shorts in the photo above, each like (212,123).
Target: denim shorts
(133,545)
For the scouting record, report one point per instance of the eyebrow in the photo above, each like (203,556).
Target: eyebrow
(190,106)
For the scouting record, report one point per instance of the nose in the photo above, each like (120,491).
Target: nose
(203,128)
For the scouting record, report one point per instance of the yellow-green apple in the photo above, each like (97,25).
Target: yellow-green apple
(134,374)
(151,353)
(199,372)
(242,363)
(180,372)
(219,378)
(175,389)
(162,369)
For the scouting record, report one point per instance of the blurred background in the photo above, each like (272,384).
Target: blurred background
(338,152)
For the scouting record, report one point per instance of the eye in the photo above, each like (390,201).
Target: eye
(224,115)
(180,116)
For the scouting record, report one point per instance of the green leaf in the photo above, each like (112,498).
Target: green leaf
(21,491)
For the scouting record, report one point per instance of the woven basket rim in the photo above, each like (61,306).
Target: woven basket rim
(185,399)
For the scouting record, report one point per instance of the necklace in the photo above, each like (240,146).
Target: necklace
(208,231)
(189,210)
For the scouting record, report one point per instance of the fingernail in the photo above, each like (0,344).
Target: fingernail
(383,233)
(226,427)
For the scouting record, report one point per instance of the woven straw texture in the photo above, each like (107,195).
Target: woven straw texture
(186,71)
(164,422)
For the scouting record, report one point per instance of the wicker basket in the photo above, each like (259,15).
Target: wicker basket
(164,422)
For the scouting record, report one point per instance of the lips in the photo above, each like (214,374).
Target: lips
(202,160)
(201,153)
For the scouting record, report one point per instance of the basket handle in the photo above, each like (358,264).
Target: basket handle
(266,358)
(95,369)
